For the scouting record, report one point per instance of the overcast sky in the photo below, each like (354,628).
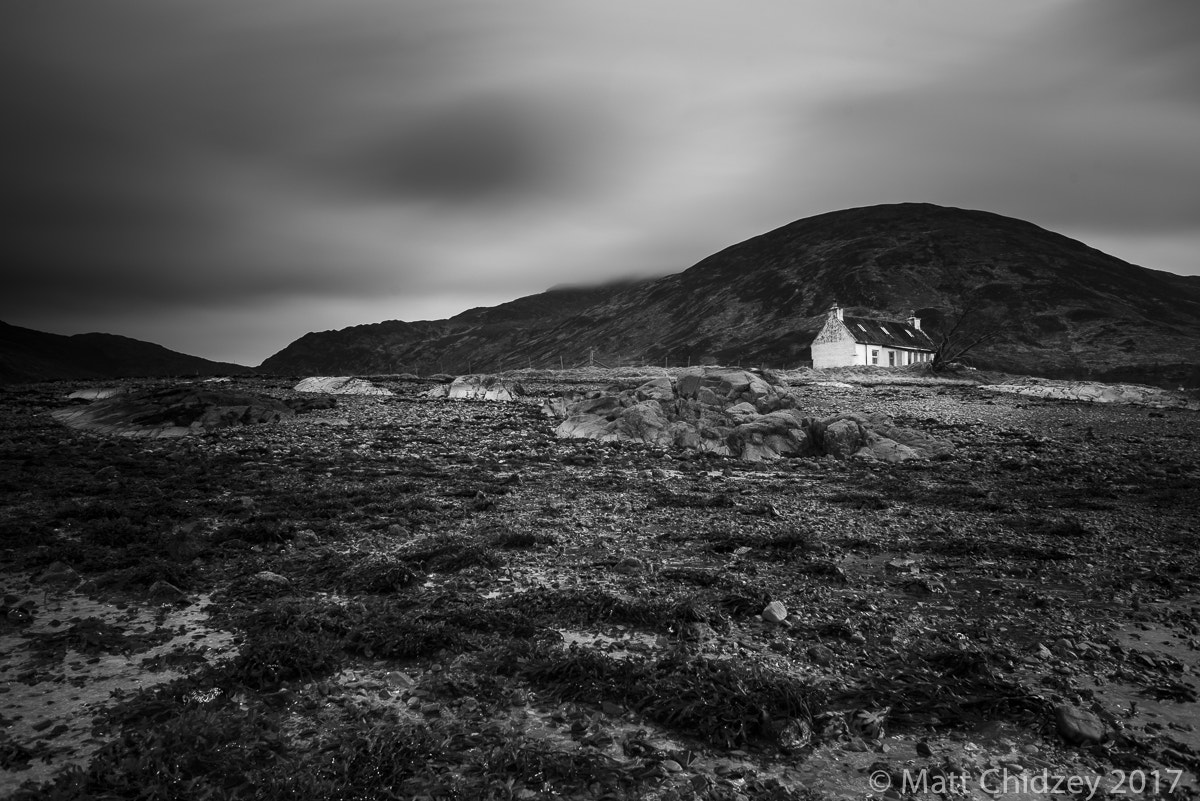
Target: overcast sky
(222,176)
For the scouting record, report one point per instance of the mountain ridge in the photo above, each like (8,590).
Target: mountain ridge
(1070,310)
(28,355)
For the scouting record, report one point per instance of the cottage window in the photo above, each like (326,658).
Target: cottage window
(891,358)
(874,357)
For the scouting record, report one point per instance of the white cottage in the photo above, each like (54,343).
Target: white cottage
(843,341)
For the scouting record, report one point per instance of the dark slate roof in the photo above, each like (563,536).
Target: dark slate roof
(888,333)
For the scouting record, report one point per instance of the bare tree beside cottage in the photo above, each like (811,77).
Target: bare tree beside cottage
(962,329)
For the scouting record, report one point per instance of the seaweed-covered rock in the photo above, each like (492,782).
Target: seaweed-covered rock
(173,412)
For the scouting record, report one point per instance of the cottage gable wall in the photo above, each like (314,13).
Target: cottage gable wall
(834,346)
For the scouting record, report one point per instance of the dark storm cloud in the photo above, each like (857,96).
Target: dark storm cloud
(189,154)
(280,166)
(480,149)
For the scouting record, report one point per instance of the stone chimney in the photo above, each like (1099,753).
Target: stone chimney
(835,310)
(914,320)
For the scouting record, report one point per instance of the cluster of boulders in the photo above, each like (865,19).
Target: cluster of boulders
(1093,392)
(737,413)
(173,412)
(479,387)
(340,385)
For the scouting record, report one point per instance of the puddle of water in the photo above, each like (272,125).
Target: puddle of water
(1179,655)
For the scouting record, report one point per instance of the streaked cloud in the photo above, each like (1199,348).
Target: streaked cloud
(281,167)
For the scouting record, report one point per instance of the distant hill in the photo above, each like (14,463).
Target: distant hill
(466,341)
(27,355)
(1069,309)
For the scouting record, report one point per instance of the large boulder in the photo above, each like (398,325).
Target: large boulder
(727,387)
(586,426)
(641,422)
(173,412)
(646,422)
(742,412)
(656,389)
(770,436)
(340,385)
(839,437)
(1078,726)
(733,413)
(711,410)
(875,437)
(479,387)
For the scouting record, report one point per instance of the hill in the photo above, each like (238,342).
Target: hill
(1069,310)
(28,355)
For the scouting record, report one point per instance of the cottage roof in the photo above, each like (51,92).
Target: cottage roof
(887,333)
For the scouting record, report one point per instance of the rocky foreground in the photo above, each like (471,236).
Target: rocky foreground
(441,598)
